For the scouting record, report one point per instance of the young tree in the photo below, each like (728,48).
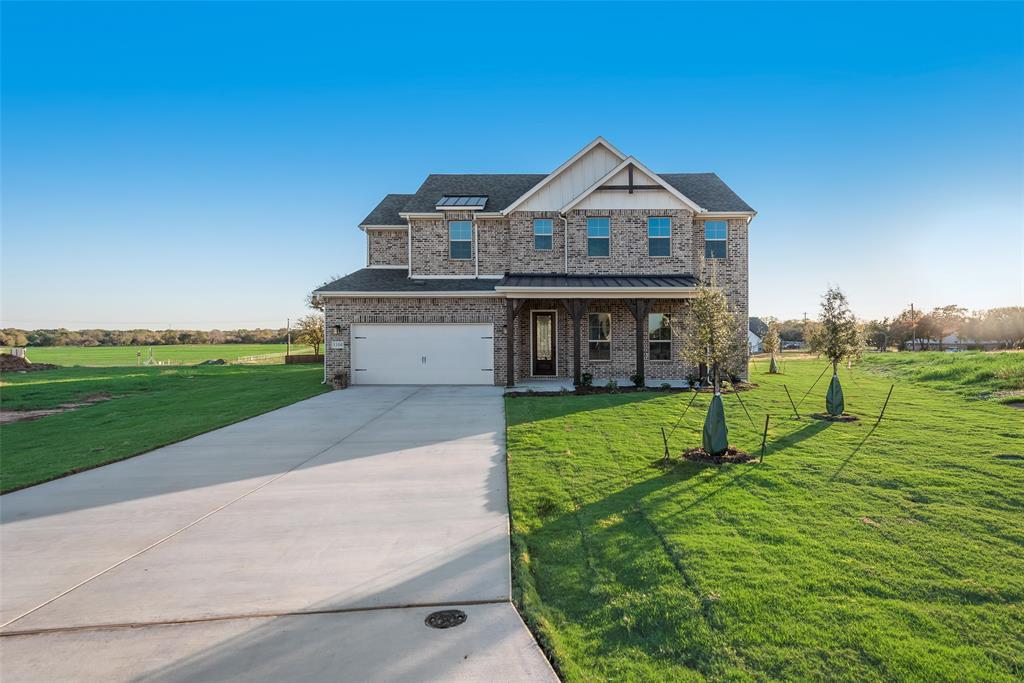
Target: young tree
(836,338)
(772,344)
(310,330)
(708,338)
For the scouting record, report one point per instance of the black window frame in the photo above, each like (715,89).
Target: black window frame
(604,346)
(661,344)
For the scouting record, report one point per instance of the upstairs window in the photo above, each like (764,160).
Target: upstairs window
(659,335)
(715,233)
(542,231)
(659,236)
(598,236)
(460,240)
(599,337)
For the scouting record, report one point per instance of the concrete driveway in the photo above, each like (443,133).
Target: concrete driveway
(307,544)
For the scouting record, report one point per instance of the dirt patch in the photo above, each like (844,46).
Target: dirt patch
(11,416)
(9,363)
(868,521)
(731,454)
(845,417)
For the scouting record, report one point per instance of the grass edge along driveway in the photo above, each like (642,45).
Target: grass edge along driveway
(894,558)
(150,407)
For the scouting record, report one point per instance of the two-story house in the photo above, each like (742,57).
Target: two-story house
(504,278)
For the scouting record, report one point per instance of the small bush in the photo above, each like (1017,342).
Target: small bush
(666,386)
(612,386)
(587,379)
(693,378)
(637,379)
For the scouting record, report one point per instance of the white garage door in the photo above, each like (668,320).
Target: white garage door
(423,354)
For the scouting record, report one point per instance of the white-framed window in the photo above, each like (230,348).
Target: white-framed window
(659,336)
(659,236)
(599,231)
(543,228)
(599,336)
(715,234)
(460,240)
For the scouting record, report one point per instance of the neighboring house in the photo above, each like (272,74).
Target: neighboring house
(754,342)
(757,326)
(951,342)
(502,278)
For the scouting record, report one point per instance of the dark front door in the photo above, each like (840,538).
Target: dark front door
(543,342)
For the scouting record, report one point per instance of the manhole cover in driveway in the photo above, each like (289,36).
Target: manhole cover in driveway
(446,618)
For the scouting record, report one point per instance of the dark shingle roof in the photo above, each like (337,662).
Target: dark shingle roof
(386,213)
(562,280)
(397,280)
(708,190)
(501,189)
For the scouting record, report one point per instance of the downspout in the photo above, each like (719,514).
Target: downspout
(476,249)
(325,342)
(408,230)
(565,239)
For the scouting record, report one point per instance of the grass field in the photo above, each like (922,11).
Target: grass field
(150,407)
(973,374)
(848,554)
(174,354)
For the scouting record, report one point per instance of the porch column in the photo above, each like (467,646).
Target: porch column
(640,308)
(512,308)
(576,309)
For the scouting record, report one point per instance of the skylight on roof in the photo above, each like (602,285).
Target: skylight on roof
(461,202)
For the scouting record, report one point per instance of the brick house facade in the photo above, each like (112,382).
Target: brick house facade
(510,257)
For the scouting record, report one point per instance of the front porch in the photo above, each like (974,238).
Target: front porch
(560,328)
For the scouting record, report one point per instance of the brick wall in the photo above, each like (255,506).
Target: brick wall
(524,257)
(430,247)
(628,247)
(387,247)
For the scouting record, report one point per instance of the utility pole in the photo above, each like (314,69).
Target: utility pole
(288,338)
(913,329)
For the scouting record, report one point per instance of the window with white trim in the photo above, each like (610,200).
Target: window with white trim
(659,336)
(659,236)
(543,229)
(715,234)
(599,232)
(599,337)
(460,240)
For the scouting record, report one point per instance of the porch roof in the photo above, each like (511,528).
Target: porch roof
(560,284)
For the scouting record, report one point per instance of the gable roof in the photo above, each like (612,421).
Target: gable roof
(630,161)
(558,171)
(708,190)
(501,189)
(386,213)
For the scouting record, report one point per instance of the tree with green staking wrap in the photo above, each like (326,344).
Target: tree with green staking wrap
(837,337)
(771,344)
(709,336)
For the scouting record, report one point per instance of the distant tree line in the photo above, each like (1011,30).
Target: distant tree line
(64,337)
(1001,328)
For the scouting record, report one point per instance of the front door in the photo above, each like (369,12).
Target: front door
(543,342)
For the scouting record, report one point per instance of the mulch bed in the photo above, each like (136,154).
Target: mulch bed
(845,417)
(732,454)
(9,363)
(601,389)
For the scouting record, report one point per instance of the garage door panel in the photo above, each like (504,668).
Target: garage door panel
(423,353)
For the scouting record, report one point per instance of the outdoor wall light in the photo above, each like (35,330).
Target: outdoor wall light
(336,329)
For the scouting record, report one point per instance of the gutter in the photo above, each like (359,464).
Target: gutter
(565,239)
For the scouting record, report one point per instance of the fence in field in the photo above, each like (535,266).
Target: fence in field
(259,358)
(304,358)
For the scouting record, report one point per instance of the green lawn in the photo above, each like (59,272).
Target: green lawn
(173,354)
(972,373)
(151,407)
(847,555)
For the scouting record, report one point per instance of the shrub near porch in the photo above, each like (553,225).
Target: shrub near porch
(894,558)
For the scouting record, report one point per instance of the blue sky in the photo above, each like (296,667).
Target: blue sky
(206,165)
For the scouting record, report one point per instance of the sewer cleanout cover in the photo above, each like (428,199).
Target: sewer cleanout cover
(446,618)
